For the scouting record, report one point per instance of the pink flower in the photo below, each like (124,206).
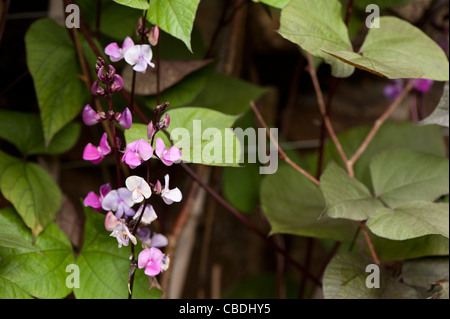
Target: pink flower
(170,195)
(139,56)
(167,156)
(153,35)
(117,84)
(95,201)
(157,240)
(90,116)
(96,154)
(115,53)
(125,119)
(393,91)
(137,152)
(422,85)
(111,221)
(152,259)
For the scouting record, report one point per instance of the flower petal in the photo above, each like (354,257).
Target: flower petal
(173,195)
(90,116)
(173,154)
(132,55)
(111,201)
(104,145)
(93,200)
(114,52)
(110,221)
(91,153)
(160,147)
(159,240)
(144,258)
(126,119)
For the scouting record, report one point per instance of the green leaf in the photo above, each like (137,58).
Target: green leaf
(346,197)
(280,4)
(24,273)
(204,136)
(24,130)
(362,4)
(118,21)
(397,49)
(104,267)
(216,94)
(403,176)
(185,91)
(425,273)
(430,245)
(328,34)
(9,236)
(31,190)
(176,17)
(137,4)
(345,278)
(411,220)
(440,115)
(240,186)
(53,64)
(293,205)
(392,135)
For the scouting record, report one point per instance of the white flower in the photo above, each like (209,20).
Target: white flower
(149,214)
(139,188)
(140,56)
(170,195)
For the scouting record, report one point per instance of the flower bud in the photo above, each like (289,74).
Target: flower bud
(96,89)
(150,130)
(90,116)
(108,76)
(153,35)
(161,108)
(100,63)
(158,187)
(125,119)
(117,84)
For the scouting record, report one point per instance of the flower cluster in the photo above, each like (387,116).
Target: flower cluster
(128,211)
(395,89)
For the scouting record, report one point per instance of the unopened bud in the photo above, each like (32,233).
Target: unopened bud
(161,108)
(100,63)
(150,130)
(96,89)
(117,84)
(158,187)
(153,35)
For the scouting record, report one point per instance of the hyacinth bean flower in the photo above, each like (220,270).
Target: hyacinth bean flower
(422,85)
(170,195)
(111,221)
(115,53)
(96,154)
(167,156)
(125,118)
(152,259)
(153,35)
(123,234)
(119,201)
(157,240)
(393,90)
(139,56)
(95,201)
(139,188)
(137,152)
(90,116)
(149,214)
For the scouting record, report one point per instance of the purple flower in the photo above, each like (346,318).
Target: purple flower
(90,116)
(393,91)
(157,240)
(115,53)
(150,130)
(123,234)
(96,154)
(149,214)
(96,89)
(139,56)
(137,152)
(139,187)
(422,85)
(117,84)
(119,201)
(95,201)
(152,260)
(170,195)
(167,156)
(125,119)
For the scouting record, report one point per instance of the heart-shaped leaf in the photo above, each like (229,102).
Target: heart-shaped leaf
(440,115)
